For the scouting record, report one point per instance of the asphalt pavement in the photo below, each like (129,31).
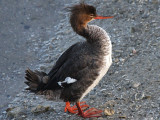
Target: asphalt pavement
(19,19)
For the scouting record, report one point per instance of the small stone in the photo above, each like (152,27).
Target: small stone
(4,112)
(122,59)
(108,112)
(3,74)
(68,31)
(155,44)
(135,107)
(15,112)
(116,60)
(40,109)
(133,30)
(9,109)
(107,94)
(26,27)
(145,16)
(42,67)
(51,47)
(23,116)
(19,72)
(100,118)
(110,103)
(134,51)
(123,117)
(118,51)
(91,101)
(94,118)
(139,96)
(135,85)
(103,90)
(159,10)
(53,39)
(147,97)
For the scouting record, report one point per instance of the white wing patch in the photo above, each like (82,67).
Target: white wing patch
(68,80)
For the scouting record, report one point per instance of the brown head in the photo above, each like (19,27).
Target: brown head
(82,14)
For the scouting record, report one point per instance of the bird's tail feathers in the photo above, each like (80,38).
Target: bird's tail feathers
(36,80)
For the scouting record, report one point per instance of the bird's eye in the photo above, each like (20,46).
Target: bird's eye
(92,15)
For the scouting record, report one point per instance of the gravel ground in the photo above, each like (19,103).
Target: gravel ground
(131,88)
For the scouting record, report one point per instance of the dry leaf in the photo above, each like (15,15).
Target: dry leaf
(108,112)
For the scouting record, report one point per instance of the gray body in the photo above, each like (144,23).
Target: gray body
(87,62)
(79,69)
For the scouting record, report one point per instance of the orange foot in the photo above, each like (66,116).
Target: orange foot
(93,112)
(74,108)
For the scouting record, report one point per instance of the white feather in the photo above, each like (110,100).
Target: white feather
(67,80)
(70,80)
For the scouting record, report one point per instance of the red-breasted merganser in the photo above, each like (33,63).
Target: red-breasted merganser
(80,68)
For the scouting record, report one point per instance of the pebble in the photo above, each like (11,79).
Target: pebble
(103,90)
(110,103)
(3,74)
(159,10)
(118,51)
(50,47)
(43,67)
(134,51)
(123,117)
(116,60)
(139,96)
(15,112)
(94,118)
(133,30)
(4,112)
(100,118)
(135,85)
(40,109)
(122,59)
(147,97)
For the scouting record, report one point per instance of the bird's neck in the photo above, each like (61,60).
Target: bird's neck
(92,33)
(95,36)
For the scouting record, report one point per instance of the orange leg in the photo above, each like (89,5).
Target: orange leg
(92,112)
(74,108)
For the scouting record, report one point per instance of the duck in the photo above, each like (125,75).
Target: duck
(81,67)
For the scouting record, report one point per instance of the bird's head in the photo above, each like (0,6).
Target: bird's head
(81,14)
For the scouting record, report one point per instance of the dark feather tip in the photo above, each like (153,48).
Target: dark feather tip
(27,89)
(26,82)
